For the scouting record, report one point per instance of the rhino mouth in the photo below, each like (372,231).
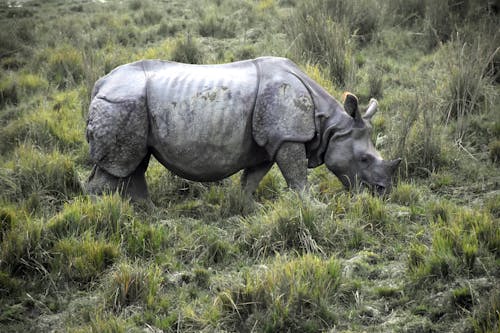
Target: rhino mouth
(379,189)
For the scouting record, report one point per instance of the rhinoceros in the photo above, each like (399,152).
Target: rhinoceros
(207,122)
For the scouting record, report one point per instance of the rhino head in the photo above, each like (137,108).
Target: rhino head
(351,155)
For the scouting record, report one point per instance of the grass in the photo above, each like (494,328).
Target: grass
(274,298)
(208,257)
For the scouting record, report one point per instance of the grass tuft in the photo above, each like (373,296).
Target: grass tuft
(486,318)
(83,260)
(369,209)
(36,177)
(24,251)
(292,222)
(288,295)
(9,94)
(107,216)
(207,246)
(406,194)
(459,237)
(132,283)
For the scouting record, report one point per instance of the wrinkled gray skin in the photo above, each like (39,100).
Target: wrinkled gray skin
(207,122)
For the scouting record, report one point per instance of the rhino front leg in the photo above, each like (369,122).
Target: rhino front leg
(252,176)
(292,161)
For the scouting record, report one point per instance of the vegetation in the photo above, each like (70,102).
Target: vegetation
(209,258)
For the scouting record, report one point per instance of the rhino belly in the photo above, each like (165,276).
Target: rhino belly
(201,118)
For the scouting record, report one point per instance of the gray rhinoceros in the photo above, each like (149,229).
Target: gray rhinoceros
(207,122)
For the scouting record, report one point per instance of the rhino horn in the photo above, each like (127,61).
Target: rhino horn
(371,110)
(393,165)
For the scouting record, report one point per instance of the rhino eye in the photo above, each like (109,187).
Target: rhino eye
(366,159)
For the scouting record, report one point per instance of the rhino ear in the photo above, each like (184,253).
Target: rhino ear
(352,108)
(350,104)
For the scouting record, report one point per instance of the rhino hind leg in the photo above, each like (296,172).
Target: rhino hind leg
(252,176)
(292,161)
(133,186)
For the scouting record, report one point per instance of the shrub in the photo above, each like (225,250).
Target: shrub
(245,52)
(406,12)
(8,219)
(418,137)
(150,16)
(213,25)
(375,82)
(168,28)
(186,50)
(16,37)
(135,5)
(291,295)
(438,22)
(469,85)
(320,40)
(9,94)
(65,66)
(9,286)
(493,205)
(494,148)
(486,317)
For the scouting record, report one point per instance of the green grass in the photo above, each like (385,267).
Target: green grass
(208,257)
(288,295)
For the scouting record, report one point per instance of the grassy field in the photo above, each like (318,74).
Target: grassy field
(207,258)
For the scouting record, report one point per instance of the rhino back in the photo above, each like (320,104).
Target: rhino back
(201,117)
